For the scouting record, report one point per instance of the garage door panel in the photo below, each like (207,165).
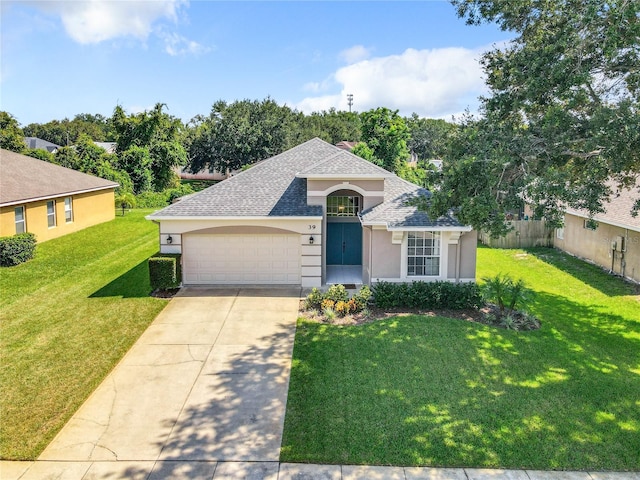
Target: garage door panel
(248,259)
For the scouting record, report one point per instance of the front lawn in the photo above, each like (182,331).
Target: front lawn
(415,390)
(67,317)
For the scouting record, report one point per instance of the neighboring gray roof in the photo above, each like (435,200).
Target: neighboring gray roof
(277,187)
(24,179)
(397,214)
(617,209)
(109,147)
(35,142)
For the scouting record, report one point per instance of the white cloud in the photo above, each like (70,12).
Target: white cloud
(94,21)
(433,83)
(175,44)
(355,54)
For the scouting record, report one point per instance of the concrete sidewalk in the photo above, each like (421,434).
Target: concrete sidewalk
(149,470)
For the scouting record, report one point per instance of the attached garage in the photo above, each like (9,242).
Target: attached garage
(213,259)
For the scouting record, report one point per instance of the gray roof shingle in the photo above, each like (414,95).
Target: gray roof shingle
(24,179)
(397,214)
(277,187)
(617,209)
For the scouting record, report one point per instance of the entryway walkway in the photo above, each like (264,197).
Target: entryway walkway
(344,274)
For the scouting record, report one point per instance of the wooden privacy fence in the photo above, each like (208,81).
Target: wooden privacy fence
(525,233)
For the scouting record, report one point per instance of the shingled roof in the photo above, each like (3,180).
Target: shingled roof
(277,187)
(617,209)
(25,179)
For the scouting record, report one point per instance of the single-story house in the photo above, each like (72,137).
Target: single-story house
(49,200)
(313,215)
(610,239)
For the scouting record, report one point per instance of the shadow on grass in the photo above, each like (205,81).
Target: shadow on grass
(132,284)
(433,391)
(590,274)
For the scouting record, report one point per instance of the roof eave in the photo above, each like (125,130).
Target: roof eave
(605,220)
(57,195)
(232,217)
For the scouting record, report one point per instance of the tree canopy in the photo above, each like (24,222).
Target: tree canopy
(562,116)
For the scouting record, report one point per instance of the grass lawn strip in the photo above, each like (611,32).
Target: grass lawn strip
(68,316)
(418,390)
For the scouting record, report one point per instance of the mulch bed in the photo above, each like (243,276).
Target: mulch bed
(487,315)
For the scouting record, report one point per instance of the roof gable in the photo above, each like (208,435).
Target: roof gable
(24,179)
(345,165)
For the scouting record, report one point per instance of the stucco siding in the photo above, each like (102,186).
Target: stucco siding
(88,209)
(595,246)
(386,256)
(468,245)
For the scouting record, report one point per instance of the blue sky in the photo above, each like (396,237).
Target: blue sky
(61,58)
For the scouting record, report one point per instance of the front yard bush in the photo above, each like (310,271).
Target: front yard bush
(165,272)
(336,301)
(17,249)
(439,295)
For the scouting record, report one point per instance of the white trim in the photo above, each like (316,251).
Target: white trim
(442,268)
(52,214)
(421,279)
(24,218)
(153,217)
(57,195)
(345,186)
(432,229)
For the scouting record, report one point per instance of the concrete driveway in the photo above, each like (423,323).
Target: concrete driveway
(207,382)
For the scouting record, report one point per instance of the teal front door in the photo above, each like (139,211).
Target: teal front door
(344,244)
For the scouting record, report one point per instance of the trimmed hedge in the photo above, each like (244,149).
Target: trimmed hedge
(17,249)
(165,272)
(442,295)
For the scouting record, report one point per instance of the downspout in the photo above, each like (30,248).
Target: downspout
(623,259)
(370,253)
(458,258)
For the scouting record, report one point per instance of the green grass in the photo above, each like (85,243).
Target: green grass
(434,391)
(67,318)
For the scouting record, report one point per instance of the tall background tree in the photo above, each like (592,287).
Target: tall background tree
(240,134)
(149,147)
(386,134)
(562,117)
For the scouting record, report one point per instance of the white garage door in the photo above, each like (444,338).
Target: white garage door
(242,259)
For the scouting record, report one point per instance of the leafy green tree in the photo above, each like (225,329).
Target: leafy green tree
(66,132)
(124,201)
(386,134)
(136,161)
(332,126)
(241,133)
(362,150)
(429,137)
(11,135)
(562,116)
(40,154)
(154,139)
(107,171)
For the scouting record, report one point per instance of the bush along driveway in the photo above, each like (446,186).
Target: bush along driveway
(421,390)
(67,317)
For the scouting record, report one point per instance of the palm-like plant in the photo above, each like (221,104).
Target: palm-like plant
(125,200)
(505,292)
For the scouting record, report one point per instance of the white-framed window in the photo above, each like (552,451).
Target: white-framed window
(343,206)
(423,254)
(51,213)
(21,222)
(560,233)
(68,210)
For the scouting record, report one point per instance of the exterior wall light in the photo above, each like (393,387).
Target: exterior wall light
(311,240)
(169,239)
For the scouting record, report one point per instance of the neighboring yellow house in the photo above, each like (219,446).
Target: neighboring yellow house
(49,200)
(610,239)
